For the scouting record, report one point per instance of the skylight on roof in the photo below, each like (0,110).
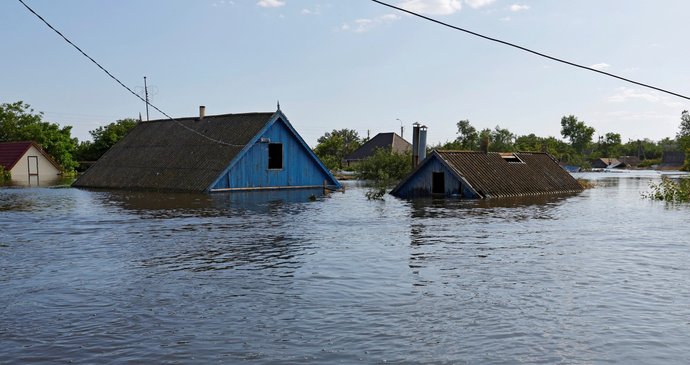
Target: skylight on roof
(511,158)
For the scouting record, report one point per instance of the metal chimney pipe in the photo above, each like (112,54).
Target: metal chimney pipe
(415,144)
(422,144)
(202,112)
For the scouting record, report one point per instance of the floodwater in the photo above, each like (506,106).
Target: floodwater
(92,277)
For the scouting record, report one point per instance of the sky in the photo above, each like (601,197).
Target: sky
(353,63)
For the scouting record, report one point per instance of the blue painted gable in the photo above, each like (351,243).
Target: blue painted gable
(300,166)
(420,182)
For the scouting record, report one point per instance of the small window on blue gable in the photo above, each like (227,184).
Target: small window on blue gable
(275,156)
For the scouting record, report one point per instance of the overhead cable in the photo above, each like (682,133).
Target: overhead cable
(530,50)
(122,84)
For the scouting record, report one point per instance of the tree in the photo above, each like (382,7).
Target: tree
(498,139)
(611,145)
(684,125)
(18,122)
(383,169)
(467,136)
(103,138)
(683,137)
(334,146)
(644,149)
(579,134)
(502,140)
(529,143)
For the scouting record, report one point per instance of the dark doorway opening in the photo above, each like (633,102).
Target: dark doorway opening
(275,156)
(438,183)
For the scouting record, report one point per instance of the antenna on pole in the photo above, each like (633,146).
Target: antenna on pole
(146,93)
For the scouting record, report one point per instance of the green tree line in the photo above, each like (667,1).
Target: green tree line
(19,122)
(578,146)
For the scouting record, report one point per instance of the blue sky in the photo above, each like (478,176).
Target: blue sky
(353,63)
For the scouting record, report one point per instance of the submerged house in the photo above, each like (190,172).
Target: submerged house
(227,152)
(478,175)
(605,162)
(28,163)
(391,141)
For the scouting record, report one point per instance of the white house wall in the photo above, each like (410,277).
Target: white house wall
(46,170)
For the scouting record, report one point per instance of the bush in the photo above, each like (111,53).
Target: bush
(5,176)
(670,190)
(383,170)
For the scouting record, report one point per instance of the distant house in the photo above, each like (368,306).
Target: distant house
(390,141)
(629,161)
(28,162)
(478,175)
(605,162)
(209,154)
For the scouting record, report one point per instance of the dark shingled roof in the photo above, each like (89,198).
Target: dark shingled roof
(382,140)
(11,152)
(493,176)
(164,155)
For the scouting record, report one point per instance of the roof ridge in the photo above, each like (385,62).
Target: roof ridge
(194,118)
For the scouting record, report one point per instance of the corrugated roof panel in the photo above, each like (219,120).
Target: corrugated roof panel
(493,176)
(174,155)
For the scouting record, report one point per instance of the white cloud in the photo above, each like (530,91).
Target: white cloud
(363,25)
(624,94)
(433,7)
(314,11)
(222,3)
(270,3)
(505,19)
(600,66)
(476,4)
(518,7)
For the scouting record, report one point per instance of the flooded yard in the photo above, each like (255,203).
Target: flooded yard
(283,278)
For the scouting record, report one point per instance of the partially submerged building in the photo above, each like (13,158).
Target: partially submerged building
(389,141)
(28,163)
(214,153)
(478,175)
(607,163)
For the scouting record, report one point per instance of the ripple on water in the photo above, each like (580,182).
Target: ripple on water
(92,277)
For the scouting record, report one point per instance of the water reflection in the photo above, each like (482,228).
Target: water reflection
(450,208)
(43,182)
(446,235)
(104,277)
(158,204)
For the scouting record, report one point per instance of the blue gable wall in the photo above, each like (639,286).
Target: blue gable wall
(300,167)
(420,183)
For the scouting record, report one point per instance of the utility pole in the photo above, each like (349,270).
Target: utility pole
(146,92)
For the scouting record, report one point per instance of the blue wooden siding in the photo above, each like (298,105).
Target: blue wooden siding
(300,168)
(420,184)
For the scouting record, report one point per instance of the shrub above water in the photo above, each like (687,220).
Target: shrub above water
(670,190)
(383,170)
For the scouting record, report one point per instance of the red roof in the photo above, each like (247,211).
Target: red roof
(11,152)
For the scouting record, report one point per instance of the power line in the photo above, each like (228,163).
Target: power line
(122,84)
(530,50)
